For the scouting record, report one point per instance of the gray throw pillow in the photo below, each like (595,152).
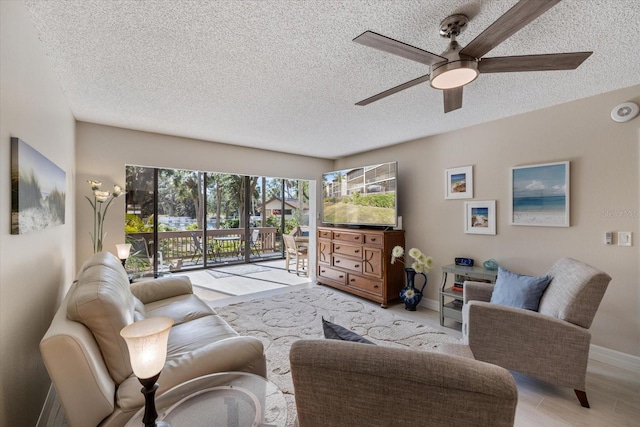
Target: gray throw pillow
(337,332)
(518,290)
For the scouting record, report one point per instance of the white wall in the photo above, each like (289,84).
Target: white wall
(604,159)
(104,151)
(36,268)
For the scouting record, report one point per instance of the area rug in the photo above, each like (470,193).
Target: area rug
(280,320)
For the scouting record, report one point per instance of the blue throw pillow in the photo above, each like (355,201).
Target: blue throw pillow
(518,290)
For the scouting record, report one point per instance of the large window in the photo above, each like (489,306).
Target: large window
(203,219)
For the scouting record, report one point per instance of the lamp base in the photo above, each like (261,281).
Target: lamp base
(150,413)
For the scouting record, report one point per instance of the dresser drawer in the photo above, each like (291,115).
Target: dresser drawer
(324,234)
(368,285)
(350,264)
(373,239)
(345,236)
(332,274)
(342,249)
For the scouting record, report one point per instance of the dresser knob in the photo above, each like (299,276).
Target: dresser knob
(353,280)
(357,237)
(373,239)
(357,250)
(341,276)
(357,265)
(375,286)
(337,261)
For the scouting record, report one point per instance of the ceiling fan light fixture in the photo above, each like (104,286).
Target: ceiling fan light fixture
(454,74)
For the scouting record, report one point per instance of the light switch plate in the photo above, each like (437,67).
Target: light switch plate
(624,238)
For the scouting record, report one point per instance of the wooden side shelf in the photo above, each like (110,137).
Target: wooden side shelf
(358,261)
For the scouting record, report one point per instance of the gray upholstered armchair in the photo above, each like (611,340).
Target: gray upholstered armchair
(340,383)
(551,344)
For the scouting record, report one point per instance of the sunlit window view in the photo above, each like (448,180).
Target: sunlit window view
(178,220)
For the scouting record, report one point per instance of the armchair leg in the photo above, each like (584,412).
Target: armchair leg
(582,397)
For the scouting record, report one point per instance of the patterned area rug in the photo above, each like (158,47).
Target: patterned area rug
(280,320)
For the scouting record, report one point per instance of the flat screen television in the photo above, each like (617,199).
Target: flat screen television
(361,197)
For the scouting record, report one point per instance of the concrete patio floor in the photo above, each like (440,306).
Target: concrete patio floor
(238,281)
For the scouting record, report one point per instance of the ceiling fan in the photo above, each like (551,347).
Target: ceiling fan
(458,66)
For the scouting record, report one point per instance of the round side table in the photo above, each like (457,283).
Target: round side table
(232,399)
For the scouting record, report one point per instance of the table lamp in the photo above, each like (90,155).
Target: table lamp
(124,249)
(147,343)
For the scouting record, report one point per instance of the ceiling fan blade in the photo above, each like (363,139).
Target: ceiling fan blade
(386,44)
(452,99)
(549,62)
(507,25)
(393,90)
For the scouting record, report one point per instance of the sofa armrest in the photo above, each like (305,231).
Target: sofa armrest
(453,390)
(77,369)
(148,291)
(478,291)
(527,341)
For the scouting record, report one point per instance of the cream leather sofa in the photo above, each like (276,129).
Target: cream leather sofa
(88,361)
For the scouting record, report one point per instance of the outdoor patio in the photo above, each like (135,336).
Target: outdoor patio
(242,280)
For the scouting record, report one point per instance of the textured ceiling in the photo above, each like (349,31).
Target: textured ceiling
(285,75)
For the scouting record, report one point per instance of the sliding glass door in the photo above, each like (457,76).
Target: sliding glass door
(205,219)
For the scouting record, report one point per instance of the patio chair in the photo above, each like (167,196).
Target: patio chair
(294,250)
(142,257)
(300,231)
(255,235)
(197,252)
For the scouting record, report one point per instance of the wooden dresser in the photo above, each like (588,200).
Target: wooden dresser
(358,261)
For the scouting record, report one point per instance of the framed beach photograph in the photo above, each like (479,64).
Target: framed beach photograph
(458,183)
(38,190)
(540,195)
(480,217)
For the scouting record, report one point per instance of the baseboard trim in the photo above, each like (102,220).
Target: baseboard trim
(614,358)
(431,304)
(47,408)
(600,354)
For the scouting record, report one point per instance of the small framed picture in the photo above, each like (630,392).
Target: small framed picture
(458,183)
(480,217)
(540,195)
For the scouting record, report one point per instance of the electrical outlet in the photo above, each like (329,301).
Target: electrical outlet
(624,238)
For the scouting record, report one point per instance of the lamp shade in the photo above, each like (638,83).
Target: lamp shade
(124,249)
(454,74)
(147,344)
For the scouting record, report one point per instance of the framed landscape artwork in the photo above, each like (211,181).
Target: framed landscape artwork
(480,217)
(458,183)
(540,195)
(38,190)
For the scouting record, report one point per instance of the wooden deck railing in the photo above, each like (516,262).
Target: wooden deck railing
(220,243)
